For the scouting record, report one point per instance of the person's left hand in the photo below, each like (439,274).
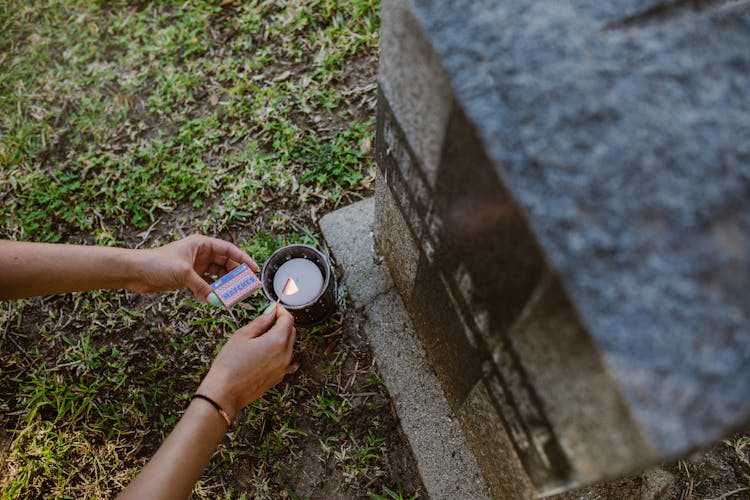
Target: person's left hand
(184,263)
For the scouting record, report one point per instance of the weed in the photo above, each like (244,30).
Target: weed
(741,446)
(372,451)
(389,494)
(373,380)
(332,164)
(328,444)
(329,404)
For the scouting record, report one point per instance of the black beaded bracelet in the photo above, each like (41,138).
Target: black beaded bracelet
(215,405)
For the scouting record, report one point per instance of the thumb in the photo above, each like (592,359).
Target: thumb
(198,286)
(258,326)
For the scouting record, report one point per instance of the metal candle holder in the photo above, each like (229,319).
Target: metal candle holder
(323,305)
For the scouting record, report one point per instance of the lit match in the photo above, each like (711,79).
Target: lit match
(290,288)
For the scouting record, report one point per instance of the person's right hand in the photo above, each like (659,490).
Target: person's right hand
(252,361)
(184,262)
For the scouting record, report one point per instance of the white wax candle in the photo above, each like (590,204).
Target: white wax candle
(306,276)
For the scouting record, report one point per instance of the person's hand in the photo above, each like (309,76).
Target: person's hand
(252,361)
(184,263)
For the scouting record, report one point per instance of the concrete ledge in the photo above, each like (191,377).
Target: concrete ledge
(444,459)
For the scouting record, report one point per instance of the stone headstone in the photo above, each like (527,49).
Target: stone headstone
(563,200)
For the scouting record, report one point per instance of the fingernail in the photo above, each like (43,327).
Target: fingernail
(214,300)
(270,309)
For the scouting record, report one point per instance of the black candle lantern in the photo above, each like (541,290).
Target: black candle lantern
(302,262)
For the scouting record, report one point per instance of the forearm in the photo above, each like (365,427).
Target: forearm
(31,269)
(254,359)
(179,462)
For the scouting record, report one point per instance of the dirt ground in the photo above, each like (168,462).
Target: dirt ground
(312,475)
(719,472)
(312,469)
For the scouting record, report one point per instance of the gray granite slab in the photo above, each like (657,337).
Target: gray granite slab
(622,130)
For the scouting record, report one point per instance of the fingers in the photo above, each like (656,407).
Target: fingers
(198,286)
(281,331)
(290,342)
(227,252)
(258,326)
(292,368)
(284,321)
(291,339)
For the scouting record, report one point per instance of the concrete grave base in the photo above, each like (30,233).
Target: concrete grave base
(444,459)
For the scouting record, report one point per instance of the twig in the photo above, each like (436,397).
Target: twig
(234,318)
(354,375)
(298,226)
(687,495)
(23,351)
(331,346)
(7,320)
(730,493)
(370,483)
(359,394)
(147,232)
(333,333)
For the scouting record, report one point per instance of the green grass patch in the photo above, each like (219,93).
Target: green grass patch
(114,115)
(128,123)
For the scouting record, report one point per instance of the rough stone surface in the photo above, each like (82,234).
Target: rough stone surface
(445,462)
(503,471)
(525,366)
(403,255)
(468,268)
(621,128)
(443,457)
(420,91)
(592,423)
(363,280)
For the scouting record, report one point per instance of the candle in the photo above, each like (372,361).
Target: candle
(306,276)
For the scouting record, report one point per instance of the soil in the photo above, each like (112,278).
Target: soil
(306,472)
(334,360)
(719,472)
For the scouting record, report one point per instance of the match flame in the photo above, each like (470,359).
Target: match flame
(290,288)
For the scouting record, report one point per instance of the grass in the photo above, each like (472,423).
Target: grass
(137,123)
(389,494)
(156,108)
(741,447)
